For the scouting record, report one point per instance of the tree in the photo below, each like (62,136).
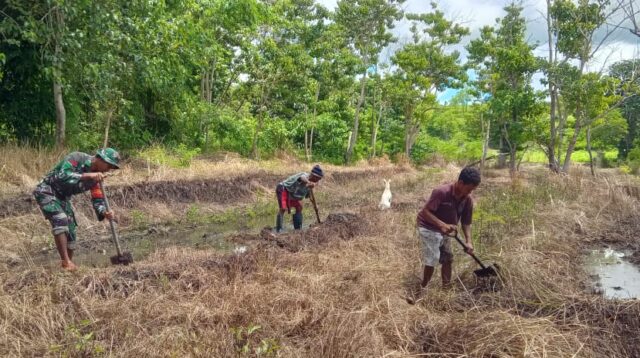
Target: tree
(632,14)
(425,67)
(506,65)
(575,26)
(366,24)
(44,26)
(628,74)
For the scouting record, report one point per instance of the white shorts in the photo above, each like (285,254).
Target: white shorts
(435,247)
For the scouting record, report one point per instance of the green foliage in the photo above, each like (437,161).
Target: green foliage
(257,77)
(633,160)
(79,341)
(626,73)
(193,214)
(506,64)
(138,218)
(180,157)
(246,342)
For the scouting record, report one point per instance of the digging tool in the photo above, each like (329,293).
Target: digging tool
(484,271)
(315,207)
(122,258)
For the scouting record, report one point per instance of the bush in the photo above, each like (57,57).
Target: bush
(179,157)
(633,160)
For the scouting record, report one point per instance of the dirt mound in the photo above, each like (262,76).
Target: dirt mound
(339,226)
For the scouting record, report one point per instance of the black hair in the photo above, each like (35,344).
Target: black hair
(470,175)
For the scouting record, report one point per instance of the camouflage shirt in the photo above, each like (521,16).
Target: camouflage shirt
(296,187)
(64,180)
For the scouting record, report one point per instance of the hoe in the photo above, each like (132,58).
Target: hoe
(484,271)
(122,258)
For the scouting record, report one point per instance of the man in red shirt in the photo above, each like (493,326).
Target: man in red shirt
(447,205)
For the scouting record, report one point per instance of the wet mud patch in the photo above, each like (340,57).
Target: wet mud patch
(339,226)
(619,234)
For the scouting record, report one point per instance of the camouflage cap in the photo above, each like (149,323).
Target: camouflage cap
(110,156)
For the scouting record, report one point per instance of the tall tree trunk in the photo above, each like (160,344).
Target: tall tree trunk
(560,131)
(254,145)
(306,134)
(61,114)
(486,128)
(502,156)
(411,130)
(372,143)
(107,127)
(313,120)
(56,23)
(374,135)
(356,120)
(589,150)
(512,160)
(553,163)
(571,146)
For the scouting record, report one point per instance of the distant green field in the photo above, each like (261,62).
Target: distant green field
(579,156)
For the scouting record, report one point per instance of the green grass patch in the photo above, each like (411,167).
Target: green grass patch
(579,156)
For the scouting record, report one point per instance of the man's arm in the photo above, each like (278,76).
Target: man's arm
(466,231)
(306,181)
(99,206)
(441,225)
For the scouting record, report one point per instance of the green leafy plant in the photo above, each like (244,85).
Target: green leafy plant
(247,343)
(81,341)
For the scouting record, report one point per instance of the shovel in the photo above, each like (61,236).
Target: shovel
(122,258)
(485,271)
(315,207)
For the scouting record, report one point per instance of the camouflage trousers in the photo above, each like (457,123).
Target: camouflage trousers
(58,211)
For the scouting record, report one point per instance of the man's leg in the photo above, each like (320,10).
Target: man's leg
(53,210)
(63,251)
(281,195)
(446,274)
(279,219)
(428,273)
(297,219)
(446,259)
(430,252)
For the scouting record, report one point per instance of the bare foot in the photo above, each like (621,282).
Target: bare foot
(69,266)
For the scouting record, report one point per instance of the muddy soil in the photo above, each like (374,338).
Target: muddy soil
(225,266)
(339,226)
(621,235)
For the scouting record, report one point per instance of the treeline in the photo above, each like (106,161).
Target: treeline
(256,77)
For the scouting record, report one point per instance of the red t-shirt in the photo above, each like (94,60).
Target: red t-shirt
(445,207)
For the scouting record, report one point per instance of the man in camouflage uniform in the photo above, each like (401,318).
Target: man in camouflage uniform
(76,173)
(292,191)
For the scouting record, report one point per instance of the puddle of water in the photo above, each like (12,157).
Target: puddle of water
(613,275)
(141,244)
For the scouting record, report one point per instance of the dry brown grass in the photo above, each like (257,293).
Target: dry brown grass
(344,298)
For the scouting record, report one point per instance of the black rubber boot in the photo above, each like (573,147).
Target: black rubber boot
(279,219)
(297,220)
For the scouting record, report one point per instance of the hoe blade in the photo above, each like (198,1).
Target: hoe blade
(488,271)
(124,259)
